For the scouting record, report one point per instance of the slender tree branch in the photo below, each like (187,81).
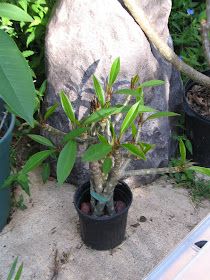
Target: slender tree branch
(155,171)
(205,31)
(163,48)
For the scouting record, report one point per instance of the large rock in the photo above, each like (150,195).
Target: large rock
(84,37)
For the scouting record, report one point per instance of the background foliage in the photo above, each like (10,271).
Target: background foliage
(184,25)
(29,37)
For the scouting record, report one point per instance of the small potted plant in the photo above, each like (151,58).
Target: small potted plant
(197,120)
(103,202)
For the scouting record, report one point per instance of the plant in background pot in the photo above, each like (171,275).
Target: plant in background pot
(103,203)
(197,120)
(17,92)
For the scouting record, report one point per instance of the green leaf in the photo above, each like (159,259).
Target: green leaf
(112,131)
(115,69)
(134,130)
(199,169)
(129,118)
(162,114)
(67,107)
(41,140)
(152,83)
(27,53)
(19,272)
(102,139)
(23,181)
(146,147)
(107,165)
(12,270)
(14,13)
(145,109)
(16,87)
(75,133)
(35,160)
(188,145)
(135,80)
(104,113)
(126,91)
(43,88)
(45,172)
(66,160)
(133,149)
(99,91)
(97,152)
(182,150)
(50,111)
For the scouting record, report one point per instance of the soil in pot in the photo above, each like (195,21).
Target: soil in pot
(105,232)
(197,121)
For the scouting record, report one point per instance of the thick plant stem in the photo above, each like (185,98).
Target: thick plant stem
(110,205)
(114,173)
(162,47)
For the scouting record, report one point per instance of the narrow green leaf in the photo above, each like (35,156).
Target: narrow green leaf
(188,145)
(97,152)
(99,91)
(35,160)
(182,150)
(50,111)
(130,117)
(45,172)
(135,80)
(199,169)
(16,87)
(112,131)
(146,147)
(145,109)
(107,165)
(152,83)
(43,88)
(133,149)
(126,91)
(115,69)
(27,53)
(75,133)
(12,270)
(19,272)
(104,113)
(134,130)
(102,139)
(41,140)
(23,181)
(162,114)
(67,107)
(66,160)
(14,13)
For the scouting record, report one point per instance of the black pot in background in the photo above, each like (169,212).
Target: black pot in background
(5,201)
(197,130)
(103,233)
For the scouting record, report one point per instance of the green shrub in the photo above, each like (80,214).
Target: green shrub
(184,25)
(29,37)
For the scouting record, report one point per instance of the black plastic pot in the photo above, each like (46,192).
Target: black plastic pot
(103,233)
(197,130)
(5,167)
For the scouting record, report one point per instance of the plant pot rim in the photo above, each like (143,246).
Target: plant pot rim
(9,130)
(189,84)
(102,218)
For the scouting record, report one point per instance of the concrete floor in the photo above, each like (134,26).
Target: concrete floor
(46,237)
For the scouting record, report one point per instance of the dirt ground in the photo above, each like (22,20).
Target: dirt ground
(46,237)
